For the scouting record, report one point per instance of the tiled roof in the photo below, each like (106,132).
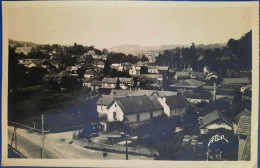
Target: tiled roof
(105,100)
(244,126)
(177,101)
(138,104)
(245,112)
(201,95)
(188,83)
(110,80)
(247,149)
(124,93)
(148,76)
(236,81)
(213,116)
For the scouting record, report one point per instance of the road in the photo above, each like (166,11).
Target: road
(56,146)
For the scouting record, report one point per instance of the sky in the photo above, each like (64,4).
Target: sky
(107,26)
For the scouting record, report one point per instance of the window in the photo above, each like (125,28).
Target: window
(114,116)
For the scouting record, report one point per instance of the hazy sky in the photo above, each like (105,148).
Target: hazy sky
(104,26)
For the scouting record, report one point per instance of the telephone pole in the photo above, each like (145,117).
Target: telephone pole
(126,150)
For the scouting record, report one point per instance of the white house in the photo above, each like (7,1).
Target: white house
(175,105)
(109,82)
(88,74)
(126,82)
(215,120)
(134,109)
(134,70)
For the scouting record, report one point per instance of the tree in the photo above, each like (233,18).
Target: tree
(144,58)
(71,83)
(16,72)
(68,60)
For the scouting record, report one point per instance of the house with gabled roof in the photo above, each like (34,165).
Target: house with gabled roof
(134,109)
(199,97)
(102,104)
(126,82)
(87,82)
(109,82)
(215,120)
(96,84)
(175,105)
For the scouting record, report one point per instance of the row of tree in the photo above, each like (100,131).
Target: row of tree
(236,55)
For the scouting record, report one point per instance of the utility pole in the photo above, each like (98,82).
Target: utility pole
(42,136)
(126,150)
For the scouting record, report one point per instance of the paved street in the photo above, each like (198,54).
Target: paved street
(57,146)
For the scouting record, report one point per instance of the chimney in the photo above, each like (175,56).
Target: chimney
(130,92)
(164,100)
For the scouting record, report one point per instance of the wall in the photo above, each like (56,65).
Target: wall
(131,117)
(119,113)
(218,125)
(144,116)
(108,85)
(102,110)
(166,108)
(157,113)
(178,111)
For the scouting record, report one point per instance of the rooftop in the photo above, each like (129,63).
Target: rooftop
(124,93)
(188,83)
(244,126)
(184,74)
(125,79)
(177,101)
(245,112)
(105,100)
(110,80)
(138,104)
(213,116)
(236,81)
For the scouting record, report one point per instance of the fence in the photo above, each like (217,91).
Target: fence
(116,148)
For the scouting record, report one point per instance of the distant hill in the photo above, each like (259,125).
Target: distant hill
(152,51)
(21,43)
(139,49)
(211,46)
